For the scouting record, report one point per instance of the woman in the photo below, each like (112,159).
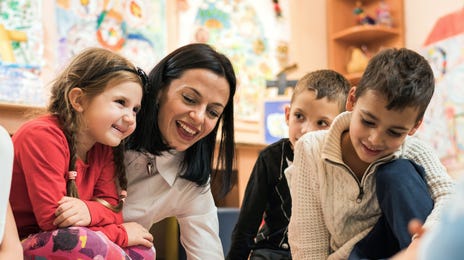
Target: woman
(170,162)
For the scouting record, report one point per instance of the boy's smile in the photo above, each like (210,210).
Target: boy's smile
(375,131)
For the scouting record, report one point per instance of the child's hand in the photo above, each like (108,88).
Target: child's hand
(415,229)
(138,235)
(71,212)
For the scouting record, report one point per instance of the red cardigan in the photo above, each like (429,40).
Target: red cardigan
(39,180)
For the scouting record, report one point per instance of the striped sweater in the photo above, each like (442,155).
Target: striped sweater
(332,210)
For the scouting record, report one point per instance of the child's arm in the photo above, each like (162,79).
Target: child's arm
(308,235)
(440,184)
(10,247)
(251,211)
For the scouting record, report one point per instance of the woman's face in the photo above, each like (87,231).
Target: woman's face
(190,107)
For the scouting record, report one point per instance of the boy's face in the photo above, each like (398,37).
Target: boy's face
(375,131)
(307,113)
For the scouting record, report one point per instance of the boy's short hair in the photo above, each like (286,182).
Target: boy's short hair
(325,83)
(403,76)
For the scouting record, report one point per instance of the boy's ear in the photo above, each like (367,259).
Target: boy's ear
(351,99)
(76,98)
(414,129)
(287,114)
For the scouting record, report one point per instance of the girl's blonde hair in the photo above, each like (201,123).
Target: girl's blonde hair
(92,71)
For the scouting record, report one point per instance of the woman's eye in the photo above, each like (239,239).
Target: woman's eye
(213,113)
(188,99)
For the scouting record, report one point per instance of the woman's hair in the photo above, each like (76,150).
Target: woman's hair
(199,158)
(93,70)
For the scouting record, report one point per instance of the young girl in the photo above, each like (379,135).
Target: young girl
(66,161)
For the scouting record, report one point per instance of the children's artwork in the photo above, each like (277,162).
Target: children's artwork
(443,124)
(21,52)
(275,126)
(134,28)
(249,32)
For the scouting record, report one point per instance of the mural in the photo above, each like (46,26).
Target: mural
(134,28)
(252,33)
(443,125)
(21,52)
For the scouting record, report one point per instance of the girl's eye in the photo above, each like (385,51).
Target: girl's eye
(121,101)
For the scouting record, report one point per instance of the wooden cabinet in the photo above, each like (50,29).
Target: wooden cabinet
(345,33)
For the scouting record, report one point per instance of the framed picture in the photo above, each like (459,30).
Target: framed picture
(274,123)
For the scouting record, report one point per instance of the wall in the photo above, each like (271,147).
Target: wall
(308,46)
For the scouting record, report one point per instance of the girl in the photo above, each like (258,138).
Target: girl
(65,164)
(169,167)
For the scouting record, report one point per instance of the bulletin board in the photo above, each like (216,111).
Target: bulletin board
(134,28)
(443,124)
(250,33)
(275,126)
(21,51)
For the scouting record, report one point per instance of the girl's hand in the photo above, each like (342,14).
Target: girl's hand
(71,212)
(137,235)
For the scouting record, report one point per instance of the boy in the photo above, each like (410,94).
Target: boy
(317,99)
(355,186)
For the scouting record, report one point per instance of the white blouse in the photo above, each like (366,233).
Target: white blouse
(157,194)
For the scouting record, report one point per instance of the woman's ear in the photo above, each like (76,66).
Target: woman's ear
(76,98)
(351,99)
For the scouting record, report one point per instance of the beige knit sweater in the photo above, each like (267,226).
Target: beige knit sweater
(328,217)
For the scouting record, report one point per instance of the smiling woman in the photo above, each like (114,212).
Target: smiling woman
(190,96)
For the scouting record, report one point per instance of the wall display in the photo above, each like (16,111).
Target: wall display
(134,28)
(275,126)
(252,33)
(443,124)
(21,52)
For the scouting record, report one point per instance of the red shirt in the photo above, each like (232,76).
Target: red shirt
(39,180)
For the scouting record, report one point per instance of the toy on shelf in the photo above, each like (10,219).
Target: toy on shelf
(358,60)
(361,16)
(383,14)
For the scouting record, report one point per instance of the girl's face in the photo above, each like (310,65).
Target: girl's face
(110,116)
(375,131)
(190,107)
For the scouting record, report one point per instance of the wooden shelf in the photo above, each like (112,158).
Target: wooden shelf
(14,115)
(365,33)
(344,34)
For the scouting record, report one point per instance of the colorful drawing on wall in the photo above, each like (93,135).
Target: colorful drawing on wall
(21,52)
(443,124)
(134,28)
(275,126)
(249,33)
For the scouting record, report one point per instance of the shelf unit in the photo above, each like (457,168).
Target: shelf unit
(344,32)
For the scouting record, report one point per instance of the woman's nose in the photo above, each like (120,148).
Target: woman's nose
(197,115)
